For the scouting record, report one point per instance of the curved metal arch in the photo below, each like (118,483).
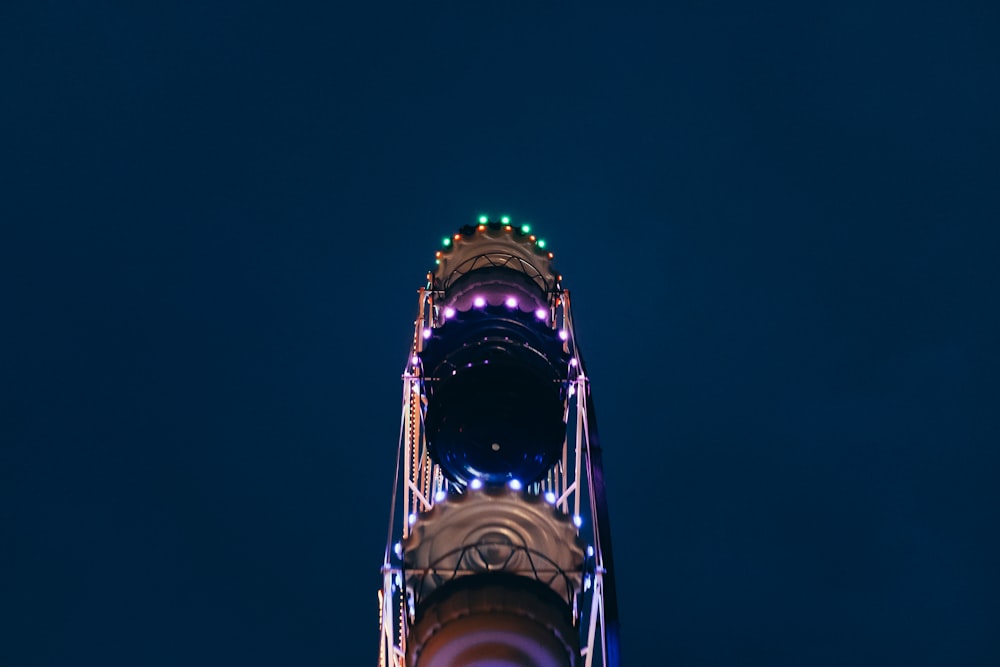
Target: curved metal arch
(417,577)
(546,282)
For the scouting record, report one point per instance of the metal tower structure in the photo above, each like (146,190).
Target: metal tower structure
(499,550)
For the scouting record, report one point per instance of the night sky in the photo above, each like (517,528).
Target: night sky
(777,222)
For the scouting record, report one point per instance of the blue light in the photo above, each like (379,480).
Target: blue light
(577,520)
(476,484)
(550,498)
(515,484)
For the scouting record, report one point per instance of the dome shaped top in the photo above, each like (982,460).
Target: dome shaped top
(493,244)
(492,530)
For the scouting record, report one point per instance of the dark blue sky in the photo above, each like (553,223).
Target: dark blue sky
(778,223)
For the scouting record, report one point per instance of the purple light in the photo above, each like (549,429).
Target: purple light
(449,312)
(563,334)
(511,302)
(572,362)
(541,313)
(415,359)
(427,333)
(479,302)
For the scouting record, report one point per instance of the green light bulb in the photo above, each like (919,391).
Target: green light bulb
(525,228)
(505,220)
(541,243)
(483,219)
(446,242)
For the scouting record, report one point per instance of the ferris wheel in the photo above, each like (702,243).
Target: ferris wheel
(499,549)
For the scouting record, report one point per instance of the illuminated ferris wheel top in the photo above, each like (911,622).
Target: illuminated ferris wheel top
(503,522)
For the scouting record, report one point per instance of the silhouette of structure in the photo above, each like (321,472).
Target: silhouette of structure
(499,549)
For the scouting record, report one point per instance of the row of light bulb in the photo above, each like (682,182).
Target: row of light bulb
(505,221)
(511,302)
(513,485)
